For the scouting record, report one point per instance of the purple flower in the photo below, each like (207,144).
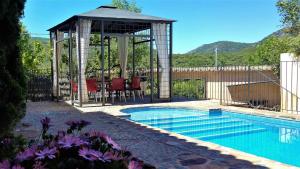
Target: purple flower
(112,143)
(18,166)
(135,164)
(26,154)
(74,124)
(46,153)
(70,141)
(61,134)
(90,155)
(5,164)
(46,123)
(38,165)
(98,134)
(108,156)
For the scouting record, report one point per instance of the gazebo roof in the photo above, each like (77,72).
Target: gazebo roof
(109,13)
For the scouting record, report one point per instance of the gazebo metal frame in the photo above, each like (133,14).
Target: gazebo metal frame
(110,22)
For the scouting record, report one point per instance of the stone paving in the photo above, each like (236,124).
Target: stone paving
(154,146)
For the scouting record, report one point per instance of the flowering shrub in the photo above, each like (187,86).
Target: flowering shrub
(70,149)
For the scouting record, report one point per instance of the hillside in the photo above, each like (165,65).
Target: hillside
(223,46)
(40,39)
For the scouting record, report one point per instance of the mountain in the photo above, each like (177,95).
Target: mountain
(223,46)
(41,39)
(232,47)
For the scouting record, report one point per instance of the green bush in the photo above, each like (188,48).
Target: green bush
(12,81)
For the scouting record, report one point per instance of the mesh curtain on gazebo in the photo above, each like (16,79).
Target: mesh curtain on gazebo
(123,54)
(57,49)
(161,40)
(84,30)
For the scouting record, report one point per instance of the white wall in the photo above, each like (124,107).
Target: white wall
(290,83)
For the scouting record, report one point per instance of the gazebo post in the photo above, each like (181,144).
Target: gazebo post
(170,60)
(157,76)
(52,64)
(70,65)
(151,65)
(133,55)
(102,63)
(56,63)
(108,52)
(79,64)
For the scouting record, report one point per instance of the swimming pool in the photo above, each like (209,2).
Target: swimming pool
(271,138)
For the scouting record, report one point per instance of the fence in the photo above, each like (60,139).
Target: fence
(290,76)
(251,86)
(39,86)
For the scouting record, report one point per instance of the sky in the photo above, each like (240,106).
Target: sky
(198,21)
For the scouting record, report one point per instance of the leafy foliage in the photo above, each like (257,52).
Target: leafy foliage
(189,88)
(36,53)
(289,11)
(12,80)
(128,5)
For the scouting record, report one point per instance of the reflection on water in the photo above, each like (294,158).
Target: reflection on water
(288,135)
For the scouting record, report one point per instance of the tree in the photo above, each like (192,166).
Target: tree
(36,56)
(268,52)
(125,4)
(12,80)
(290,15)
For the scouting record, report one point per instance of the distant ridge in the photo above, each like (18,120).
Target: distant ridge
(224,46)
(232,47)
(40,39)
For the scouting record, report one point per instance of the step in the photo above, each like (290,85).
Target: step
(202,125)
(190,121)
(170,118)
(220,131)
(211,129)
(232,133)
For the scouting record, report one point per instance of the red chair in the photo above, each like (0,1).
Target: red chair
(74,88)
(136,86)
(118,85)
(92,87)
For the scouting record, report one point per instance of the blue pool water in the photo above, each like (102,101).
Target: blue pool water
(271,138)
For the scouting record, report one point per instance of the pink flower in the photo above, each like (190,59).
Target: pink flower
(110,141)
(75,124)
(61,134)
(46,153)
(70,141)
(26,154)
(134,164)
(98,134)
(46,123)
(90,155)
(108,156)
(5,164)
(18,166)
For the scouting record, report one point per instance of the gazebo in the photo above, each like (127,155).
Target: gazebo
(109,22)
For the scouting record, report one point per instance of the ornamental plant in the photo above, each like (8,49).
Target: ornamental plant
(70,149)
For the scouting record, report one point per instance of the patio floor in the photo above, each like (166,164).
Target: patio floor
(156,147)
